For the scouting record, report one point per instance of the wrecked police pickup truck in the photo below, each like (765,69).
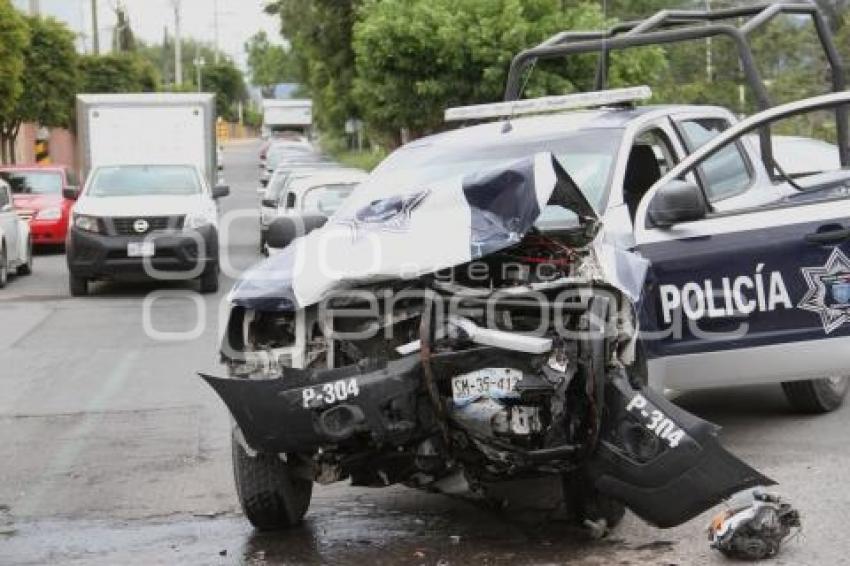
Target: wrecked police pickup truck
(498,309)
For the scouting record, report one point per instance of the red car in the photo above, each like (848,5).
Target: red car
(37,192)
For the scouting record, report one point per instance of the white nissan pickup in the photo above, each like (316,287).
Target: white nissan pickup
(148,207)
(144,221)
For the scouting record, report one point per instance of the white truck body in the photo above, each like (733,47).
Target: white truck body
(287,114)
(149,128)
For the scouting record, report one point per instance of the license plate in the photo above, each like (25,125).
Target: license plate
(140,249)
(496,383)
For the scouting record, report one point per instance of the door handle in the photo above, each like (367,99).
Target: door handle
(829,237)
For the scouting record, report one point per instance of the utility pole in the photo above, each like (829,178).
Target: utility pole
(215,28)
(35,8)
(178,48)
(95,40)
(709,71)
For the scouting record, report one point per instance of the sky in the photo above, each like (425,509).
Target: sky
(238,20)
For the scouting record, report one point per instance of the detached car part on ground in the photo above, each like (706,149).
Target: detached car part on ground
(543,393)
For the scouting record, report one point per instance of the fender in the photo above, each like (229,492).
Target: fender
(23,242)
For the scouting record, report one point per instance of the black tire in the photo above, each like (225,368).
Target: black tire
(79,286)
(595,506)
(816,396)
(26,268)
(271,498)
(263,249)
(4,266)
(588,504)
(209,280)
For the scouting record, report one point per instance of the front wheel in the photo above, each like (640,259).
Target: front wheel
(79,286)
(816,395)
(26,268)
(209,280)
(4,266)
(271,495)
(591,507)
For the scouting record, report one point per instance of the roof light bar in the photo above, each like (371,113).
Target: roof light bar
(548,104)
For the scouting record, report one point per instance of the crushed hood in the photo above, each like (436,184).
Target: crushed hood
(419,231)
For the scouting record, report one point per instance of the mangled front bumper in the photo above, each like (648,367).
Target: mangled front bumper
(664,463)
(307,409)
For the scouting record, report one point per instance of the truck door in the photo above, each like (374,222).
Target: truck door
(8,223)
(753,293)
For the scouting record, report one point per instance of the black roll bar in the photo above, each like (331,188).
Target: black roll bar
(673,26)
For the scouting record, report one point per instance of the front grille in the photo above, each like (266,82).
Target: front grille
(127,226)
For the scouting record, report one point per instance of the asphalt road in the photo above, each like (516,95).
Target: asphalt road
(112,451)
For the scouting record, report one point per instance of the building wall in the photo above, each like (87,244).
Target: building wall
(62,146)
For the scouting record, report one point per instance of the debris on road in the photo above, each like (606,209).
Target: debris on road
(755,527)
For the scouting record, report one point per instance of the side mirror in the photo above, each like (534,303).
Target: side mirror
(269,203)
(676,202)
(71,193)
(284,230)
(264,182)
(220,191)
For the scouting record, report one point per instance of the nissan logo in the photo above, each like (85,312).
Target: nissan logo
(141,226)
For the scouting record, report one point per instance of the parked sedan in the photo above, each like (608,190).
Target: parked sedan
(309,194)
(38,196)
(15,240)
(278,156)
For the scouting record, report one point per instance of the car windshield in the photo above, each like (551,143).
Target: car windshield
(587,155)
(326,199)
(33,182)
(143,180)
(277,184)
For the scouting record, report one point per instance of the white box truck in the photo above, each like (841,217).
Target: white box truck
(147,128)
(287,115)
(148,207)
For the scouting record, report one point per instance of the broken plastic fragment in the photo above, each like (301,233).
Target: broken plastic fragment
(755,526)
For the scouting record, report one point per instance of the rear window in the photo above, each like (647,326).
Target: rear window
(143,180)
(33,182)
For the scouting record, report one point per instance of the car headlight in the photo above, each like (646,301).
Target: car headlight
(196,220)
(53,213)
(87,223)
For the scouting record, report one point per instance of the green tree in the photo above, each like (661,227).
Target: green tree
(416,58)
(269,64)
(50,81)
(161,57)
(14,39)
(117,73)
(228,84)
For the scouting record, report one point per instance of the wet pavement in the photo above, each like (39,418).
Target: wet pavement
(113,452)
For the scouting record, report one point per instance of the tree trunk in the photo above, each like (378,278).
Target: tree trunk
(12,157)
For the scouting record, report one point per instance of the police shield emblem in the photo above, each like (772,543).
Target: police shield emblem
(829,291)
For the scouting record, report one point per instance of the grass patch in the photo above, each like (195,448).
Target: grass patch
(366,160)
